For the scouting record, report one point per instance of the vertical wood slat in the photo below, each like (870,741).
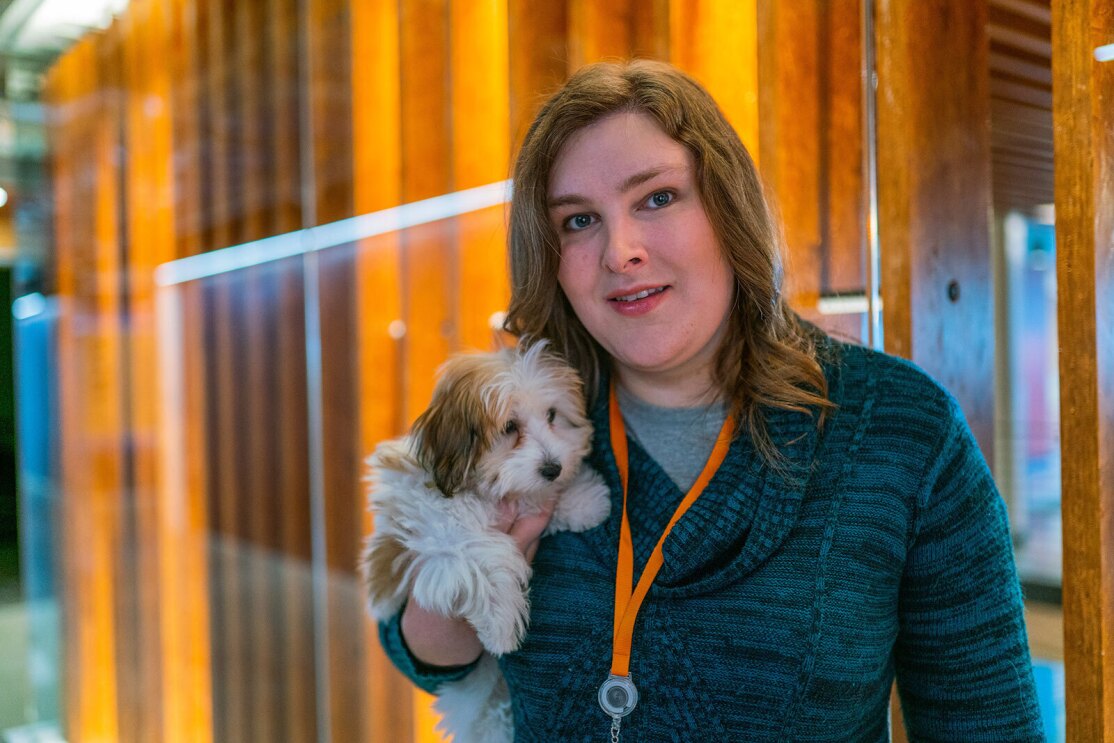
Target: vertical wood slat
(330,107)
(299,704)
(811,148)
(790,136)
(843,207)
(150,242)
(293,498)
(538,44)
(599,31)
(230,718)
(717,43)
(481,136)
(377,184)
(430,271)
(92,425)
(1084,186)
(254,165)
(429,263)
(934,196)
(185,539)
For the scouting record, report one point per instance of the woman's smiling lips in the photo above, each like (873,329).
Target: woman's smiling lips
(637,301)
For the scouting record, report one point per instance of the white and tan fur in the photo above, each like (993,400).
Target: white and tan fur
(502,426)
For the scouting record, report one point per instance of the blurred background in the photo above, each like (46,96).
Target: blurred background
(237,239)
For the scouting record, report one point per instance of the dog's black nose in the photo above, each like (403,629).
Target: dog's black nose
(550,471)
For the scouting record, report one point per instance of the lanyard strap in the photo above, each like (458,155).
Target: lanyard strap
(627,603)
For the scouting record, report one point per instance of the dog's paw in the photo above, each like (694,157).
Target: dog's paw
(443,586)
(501,620)
(584,505)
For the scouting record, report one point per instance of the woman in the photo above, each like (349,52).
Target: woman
(850,532)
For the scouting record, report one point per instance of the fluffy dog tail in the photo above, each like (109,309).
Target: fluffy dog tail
(478,707)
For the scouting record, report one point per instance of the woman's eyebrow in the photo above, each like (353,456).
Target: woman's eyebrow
(631,182)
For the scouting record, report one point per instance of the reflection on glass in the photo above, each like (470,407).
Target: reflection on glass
(1032,425)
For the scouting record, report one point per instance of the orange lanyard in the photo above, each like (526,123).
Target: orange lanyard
(626,602)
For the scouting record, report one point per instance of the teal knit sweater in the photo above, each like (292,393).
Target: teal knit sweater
(787,606)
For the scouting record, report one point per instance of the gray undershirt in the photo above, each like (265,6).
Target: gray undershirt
(679,439)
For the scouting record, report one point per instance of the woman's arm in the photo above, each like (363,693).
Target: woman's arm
(431,649)
(961,657)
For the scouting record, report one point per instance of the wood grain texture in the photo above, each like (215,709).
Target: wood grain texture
(331,107)
(790,147)
(481,137)
(934,196)
(292,499)
(810,144)
(89,387)
(1084,142)
(150,241)
(716,41)
(377,163)
(538,47)
(429,268)
(599,31)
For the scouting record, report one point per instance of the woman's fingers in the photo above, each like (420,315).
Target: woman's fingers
(525,530)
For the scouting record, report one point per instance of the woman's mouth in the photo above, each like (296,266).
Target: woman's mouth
(639,295)
(639,302)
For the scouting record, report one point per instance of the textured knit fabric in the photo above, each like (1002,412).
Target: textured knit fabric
(678,439)
(786,606)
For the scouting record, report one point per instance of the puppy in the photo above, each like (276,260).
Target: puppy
(505,426)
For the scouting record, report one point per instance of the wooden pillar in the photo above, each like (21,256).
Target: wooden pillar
(934,196)
(377,185)
(1083,119)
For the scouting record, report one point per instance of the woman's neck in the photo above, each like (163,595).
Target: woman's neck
(681,391)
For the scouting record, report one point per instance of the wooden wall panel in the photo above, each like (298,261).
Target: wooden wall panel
(600,31)
(149,207)
(481,136)
(538,45)
(791,147)
(184,538)
(1084,149)
(89,341)
(717,43)
(377,185)
(224,454)
(187,65)
(330,108)
(810,146)
(299,680)
(429,263)
(842,200)
(934,196)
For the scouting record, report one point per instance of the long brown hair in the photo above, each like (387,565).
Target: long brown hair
(768,358)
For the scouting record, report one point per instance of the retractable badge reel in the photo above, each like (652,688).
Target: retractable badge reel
(618,696)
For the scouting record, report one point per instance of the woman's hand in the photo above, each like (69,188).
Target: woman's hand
(444,641)
(526,530)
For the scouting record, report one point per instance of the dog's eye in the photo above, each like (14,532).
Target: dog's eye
(551,415)
(510,428)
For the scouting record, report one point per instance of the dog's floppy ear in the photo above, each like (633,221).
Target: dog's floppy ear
(453,432)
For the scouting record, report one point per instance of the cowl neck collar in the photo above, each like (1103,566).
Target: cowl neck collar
(744,514)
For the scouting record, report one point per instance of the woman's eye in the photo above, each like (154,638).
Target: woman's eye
(659,199)
(551,415)
(578,222)
(511,427)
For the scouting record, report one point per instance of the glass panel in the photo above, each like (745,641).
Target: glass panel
(1027,452)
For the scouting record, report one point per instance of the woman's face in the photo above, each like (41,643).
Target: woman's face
(640,262)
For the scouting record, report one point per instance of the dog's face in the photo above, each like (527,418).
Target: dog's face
(504,423)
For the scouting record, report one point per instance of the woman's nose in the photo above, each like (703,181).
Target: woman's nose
(624,248)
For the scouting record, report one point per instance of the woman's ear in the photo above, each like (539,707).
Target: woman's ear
(451,434)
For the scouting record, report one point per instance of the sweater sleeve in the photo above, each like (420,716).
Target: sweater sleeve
(426,677)
(961,656)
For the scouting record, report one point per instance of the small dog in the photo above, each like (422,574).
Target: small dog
(502,426)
